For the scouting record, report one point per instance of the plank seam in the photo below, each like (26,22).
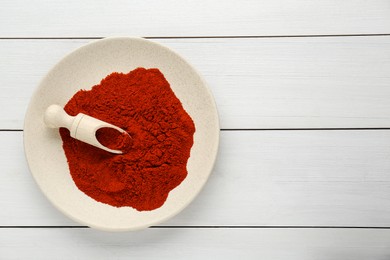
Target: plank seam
(273,129)
(208,227)
(307,129)
(202,37)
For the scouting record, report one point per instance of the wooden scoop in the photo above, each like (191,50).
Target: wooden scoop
(82,127)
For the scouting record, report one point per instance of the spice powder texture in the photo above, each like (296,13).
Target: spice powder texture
(155,162)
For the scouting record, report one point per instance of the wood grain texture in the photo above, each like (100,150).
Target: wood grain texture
(262,178)
(89,18)
(319,244)
(335,82)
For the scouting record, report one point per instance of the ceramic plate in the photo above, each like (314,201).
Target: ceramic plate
(84,68)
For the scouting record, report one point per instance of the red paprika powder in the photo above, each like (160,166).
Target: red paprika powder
(155,159)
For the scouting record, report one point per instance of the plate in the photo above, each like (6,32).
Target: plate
(84,68)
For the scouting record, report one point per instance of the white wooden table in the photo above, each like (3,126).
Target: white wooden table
(303,91)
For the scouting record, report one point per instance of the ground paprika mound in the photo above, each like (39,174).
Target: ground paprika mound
(155,159)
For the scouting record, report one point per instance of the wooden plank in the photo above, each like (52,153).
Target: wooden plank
(187,18)
(196,244)
(336,82)
(262,178)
